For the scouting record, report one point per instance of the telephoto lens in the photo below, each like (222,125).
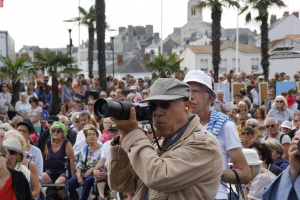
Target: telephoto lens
(121,110)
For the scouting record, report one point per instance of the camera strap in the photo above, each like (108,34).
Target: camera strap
(176,136)
(86,154)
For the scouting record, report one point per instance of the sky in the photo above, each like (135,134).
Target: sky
(41,22)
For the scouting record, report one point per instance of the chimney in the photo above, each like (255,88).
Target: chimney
(119,59)
(286,13)
(149,30)
(121,28)
(296,14)
(130,33)
(156,37)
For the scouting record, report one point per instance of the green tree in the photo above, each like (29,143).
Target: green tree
(262,7)
(165,66)
(216,7)
(55,64)
(88,19)
(15,71)
(100,28)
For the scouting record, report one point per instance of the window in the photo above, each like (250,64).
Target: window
(223,66)
(204,65)
(254,64)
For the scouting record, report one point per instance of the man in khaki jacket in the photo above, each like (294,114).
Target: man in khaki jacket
(188,164)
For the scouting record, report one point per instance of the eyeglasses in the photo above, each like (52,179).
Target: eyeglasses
(56,131)
(252,125)
(46,80)
(90,104)
(246,133)
(196,91)
(279,101)
(91,134)
(145,93)
(163,104)
(11,152)
(50,122)
(272,126)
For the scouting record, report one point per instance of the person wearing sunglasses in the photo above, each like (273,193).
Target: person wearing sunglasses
(202,95)
(272,130)
(247,136)
(280,110)
(57,148)
(180,167)
(254,124)
(13,184)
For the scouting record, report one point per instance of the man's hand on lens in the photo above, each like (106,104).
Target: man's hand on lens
(126,126)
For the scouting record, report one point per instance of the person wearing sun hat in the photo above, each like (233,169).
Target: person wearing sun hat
(14,149)
(202,95)
(186,165)
(260,177)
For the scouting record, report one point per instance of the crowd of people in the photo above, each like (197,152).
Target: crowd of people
(203,143)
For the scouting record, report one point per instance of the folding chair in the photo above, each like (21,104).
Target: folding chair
(57,165)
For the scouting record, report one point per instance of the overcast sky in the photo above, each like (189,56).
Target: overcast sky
(40,22)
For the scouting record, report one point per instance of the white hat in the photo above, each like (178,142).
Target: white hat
(242,103)
(14,145)
(286,124)
(251,156)
(200,77)
(133,87)
(251,122)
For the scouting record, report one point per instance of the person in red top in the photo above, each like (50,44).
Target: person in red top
(291,97)
(11,180)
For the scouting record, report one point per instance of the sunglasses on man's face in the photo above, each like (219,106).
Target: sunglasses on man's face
(270,126)
(163,104)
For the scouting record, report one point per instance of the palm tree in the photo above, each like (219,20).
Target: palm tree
(216,7)
(55,64)
(165,66)
(88,18)
(262,7)
(15,71)
(100,27)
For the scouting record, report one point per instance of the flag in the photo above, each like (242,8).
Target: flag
(1,3)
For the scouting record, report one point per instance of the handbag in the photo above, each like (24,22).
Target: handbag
(232,195)
(84,170)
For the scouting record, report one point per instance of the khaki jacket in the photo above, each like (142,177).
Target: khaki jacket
(191,168)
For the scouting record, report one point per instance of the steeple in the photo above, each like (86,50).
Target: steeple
(193,13)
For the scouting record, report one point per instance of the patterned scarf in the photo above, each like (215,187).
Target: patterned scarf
(217,120)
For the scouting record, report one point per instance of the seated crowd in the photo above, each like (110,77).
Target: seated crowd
(37,133)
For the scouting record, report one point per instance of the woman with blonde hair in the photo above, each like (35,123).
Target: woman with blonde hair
(280,110)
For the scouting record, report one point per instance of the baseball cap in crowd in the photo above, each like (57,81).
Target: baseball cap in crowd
(53,118)
(168,89)
(133,87)
(251,156)
(286,124)
(199,76)
(27,122)
(113,128)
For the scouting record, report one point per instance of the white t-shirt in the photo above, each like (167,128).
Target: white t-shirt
(22,107)
(229,139)
(80,141)
(106,150)
(33,113)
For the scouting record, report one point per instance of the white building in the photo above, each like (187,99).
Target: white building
(200,57)
(7,45)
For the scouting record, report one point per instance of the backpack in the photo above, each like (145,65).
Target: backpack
(280,139)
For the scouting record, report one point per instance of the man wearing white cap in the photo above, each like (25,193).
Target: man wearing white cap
(217,123)
(133,90)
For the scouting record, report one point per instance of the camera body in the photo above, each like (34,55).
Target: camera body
(121,110)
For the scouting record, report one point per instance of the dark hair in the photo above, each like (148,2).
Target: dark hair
(263,150)
(63,104)
(248,128)
(238,94)
(41,88)
(262,111)
(34,99)
(243,91)
(291,91)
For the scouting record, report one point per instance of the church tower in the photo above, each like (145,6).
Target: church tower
(193,13)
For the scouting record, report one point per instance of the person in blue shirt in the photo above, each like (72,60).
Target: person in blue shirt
(286,186)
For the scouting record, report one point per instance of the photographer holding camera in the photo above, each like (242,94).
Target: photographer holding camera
(187,166)
(286,186)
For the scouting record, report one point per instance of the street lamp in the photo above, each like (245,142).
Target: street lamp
(68,24)
(113,53)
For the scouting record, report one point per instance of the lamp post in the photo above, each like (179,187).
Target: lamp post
(113,53)
(68,24)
